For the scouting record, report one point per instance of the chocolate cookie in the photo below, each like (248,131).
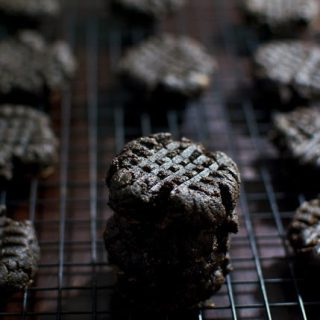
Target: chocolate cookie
(19,252)
(166,268)
(282,15)
(181,179)
(148,9)
(297,135)
(293,67)
(174,210)
(304,230)
(170,65)
(28,144)
(30,66)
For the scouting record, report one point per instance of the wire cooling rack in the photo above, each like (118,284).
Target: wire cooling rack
(94,120)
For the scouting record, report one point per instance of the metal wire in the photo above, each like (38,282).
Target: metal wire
(94,121)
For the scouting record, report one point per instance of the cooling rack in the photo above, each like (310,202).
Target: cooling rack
(93,122)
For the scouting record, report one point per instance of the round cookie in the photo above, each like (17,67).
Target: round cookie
(297,135)
(292,69)
(168,64)
(304,230)
(19,254)
(157,177)
(31,67)
(282,15)
(28,143)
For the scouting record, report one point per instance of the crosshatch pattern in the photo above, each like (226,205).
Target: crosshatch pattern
(93,122)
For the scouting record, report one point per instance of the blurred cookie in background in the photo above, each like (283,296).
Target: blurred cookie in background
(32,69)
(281,17)
(168,68)
(288,70)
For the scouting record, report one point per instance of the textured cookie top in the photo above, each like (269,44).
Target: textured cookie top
(280,12)
(298,133)
(26,139)
(157,176)
(291,63)
(29,64)
(177,64)
(152,8)
(19,252)
(304,230)
(30,8)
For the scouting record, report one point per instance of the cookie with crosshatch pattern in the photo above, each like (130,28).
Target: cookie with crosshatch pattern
(28,144)
(156,177)
(170,65)
(19,252)
(291,67)
(174,211)
(30,66)
(304,230)
(152,9)
(296,134)
(282,14)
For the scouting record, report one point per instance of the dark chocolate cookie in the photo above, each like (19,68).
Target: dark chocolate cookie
(169,64)
(292,66)
(304,230)
(29,65)
(28,144)
(282,14)
(166,268)
(297,135)
(152,9)
(156,176)
(174,210)
(19,252)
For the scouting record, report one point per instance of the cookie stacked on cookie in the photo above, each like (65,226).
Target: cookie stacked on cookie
(174,210)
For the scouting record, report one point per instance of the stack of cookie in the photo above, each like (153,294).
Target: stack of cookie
(174,210)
